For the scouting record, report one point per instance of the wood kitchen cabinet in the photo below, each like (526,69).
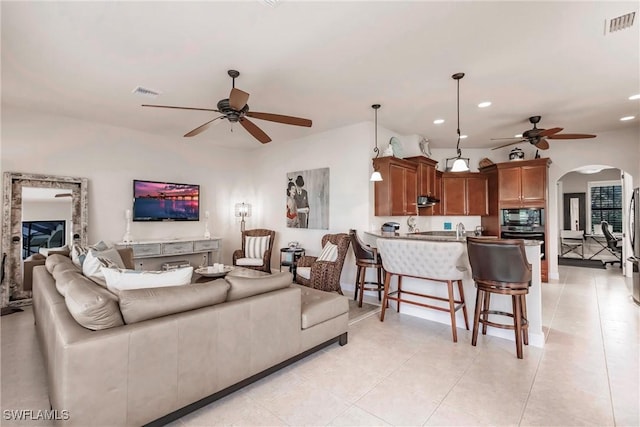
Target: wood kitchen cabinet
(428,184)
(523,183)
(397,193)
(464,193)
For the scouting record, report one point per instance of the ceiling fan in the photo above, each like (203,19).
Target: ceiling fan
(538,137)
(235,109)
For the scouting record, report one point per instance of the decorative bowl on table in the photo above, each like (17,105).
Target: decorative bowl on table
(214,271)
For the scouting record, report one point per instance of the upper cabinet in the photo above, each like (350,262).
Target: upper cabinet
(428,183)
(397,193)
(523,183)
(464,193)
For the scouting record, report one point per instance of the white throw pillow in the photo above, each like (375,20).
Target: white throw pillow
(79,252)
(255,247)
(95,260)
(120,279)
(45,251)
(329,253)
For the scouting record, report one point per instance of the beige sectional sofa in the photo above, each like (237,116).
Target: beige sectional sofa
(132,372)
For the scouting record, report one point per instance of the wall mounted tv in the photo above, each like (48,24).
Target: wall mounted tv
(165,201)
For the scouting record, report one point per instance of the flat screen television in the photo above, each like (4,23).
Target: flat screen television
(165,201)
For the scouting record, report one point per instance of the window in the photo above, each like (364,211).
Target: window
(606,204)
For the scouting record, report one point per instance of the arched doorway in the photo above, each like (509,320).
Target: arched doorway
(586,196)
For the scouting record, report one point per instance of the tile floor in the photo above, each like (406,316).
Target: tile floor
(406,371)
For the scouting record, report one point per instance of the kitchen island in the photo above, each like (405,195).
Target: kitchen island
(498,302)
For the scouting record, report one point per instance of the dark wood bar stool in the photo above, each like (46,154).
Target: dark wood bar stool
(500,267)
(366,257)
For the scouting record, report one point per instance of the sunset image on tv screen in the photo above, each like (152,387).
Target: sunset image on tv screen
(164,201)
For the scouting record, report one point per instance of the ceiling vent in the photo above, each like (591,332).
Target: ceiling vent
(620,23)
(145,92)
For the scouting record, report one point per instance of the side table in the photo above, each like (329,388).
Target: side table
(289,257)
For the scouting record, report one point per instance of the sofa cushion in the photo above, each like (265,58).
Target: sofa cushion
(319,306)
(95,260)
(249,262)
(53,260)
(91,305)
(304,272)
(137,305)
(243,287)
(63,276)
(119,279)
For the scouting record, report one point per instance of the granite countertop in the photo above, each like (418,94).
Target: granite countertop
(438,236)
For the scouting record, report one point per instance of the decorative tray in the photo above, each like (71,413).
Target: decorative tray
(212,272)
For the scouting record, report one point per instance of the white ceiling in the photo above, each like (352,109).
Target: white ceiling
(327,61)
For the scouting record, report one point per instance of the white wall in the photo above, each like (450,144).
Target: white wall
(112,157)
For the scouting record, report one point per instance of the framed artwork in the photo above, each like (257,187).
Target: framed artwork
(308,199)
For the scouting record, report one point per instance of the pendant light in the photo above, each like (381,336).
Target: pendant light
(460,164)
(376,176)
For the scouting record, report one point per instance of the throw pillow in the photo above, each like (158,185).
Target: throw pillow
(79,252)
(120,279)
(95,260)
(329,253)
(137,305)
(255,247)
(62,250)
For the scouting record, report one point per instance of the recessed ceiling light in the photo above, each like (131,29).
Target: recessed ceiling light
(484,104)
(518,135)
(634,97)
(438,121)
(627,118)
(463,136)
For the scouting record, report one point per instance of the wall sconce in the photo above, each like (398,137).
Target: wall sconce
(376,176)
(460,164)
(242,210)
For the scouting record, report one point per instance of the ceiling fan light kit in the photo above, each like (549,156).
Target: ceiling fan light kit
(376,176)
(459,163)
(236,110)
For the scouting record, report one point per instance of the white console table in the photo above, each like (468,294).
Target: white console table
(147,249)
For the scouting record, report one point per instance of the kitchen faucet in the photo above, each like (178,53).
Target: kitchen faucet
(460,230)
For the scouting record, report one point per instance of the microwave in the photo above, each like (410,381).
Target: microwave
(527,217)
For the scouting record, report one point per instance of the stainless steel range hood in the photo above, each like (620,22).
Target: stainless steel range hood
(426,201)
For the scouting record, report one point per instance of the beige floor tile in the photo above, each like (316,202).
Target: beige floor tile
(355,416)
(407,371)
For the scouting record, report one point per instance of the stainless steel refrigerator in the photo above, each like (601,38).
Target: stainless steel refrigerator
(634,235)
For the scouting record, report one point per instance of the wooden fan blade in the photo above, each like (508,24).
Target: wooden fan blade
(238,99)
(572,136)
(543,144)
(511,143)
(180,108)
(548,132)
(201,128)
(254,130)
(63,195)
(287,120)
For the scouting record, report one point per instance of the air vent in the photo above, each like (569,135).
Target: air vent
(145,92)
(620,23)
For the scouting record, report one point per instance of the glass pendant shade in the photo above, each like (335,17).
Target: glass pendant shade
(376,176)
(459,165)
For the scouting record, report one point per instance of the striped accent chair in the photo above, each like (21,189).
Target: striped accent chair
(257,245)
(323,272)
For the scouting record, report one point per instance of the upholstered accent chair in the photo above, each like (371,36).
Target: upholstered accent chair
(257,245)
(323,272)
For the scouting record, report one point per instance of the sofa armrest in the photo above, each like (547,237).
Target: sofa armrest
(27,272)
